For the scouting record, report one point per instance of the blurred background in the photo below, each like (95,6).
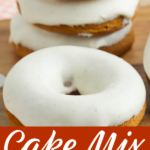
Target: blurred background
(7,9)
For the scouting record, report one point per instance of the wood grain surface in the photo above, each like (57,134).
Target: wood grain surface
(135,56)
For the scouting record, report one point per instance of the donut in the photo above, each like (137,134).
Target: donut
(78,17)
(38,89)
(146,61)
(26,38)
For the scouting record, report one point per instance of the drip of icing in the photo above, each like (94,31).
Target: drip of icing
(2,79)
(35,38)
(56,12)
(125,22)
(85,34)
(112,91)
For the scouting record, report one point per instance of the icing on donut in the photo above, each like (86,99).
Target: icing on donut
(112,91)
(35,38)
(146,59)
(57,12)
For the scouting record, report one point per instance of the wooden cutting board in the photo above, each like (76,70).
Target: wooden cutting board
(135,56)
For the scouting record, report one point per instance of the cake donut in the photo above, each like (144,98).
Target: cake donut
(36,90)
(27,38)
(94,17)
(146,59)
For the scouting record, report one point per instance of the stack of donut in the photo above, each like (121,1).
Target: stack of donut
(73,85)
(101,24)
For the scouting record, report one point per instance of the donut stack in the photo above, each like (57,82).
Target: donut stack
(40,89)
(101,24)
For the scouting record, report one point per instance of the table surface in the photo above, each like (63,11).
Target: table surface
(135,56)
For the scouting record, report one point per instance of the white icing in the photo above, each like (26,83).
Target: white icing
(125,22)
(57,12)
(85,34)
(146,59)
(112,90)
(2,79)
(35,38)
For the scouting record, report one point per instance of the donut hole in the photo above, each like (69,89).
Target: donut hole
(82,75)
(86,79)
(86,83)
(76,92)
(67,83)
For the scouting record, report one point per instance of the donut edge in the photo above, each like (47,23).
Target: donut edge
(133,122)
(116,49)
(94,29)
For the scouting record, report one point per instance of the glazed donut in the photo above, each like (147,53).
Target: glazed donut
(27,38)
(146,60)
(36,90)
(78,17)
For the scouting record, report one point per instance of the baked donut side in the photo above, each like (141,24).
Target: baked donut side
(133,122)
(21,50)
(122,46)
(116,49)
(93,29)
(13,120)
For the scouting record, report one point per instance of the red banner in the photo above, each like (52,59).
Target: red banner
(74,138)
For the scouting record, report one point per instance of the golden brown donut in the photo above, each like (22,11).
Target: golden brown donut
(116,49)
(95,29)
(132,122)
